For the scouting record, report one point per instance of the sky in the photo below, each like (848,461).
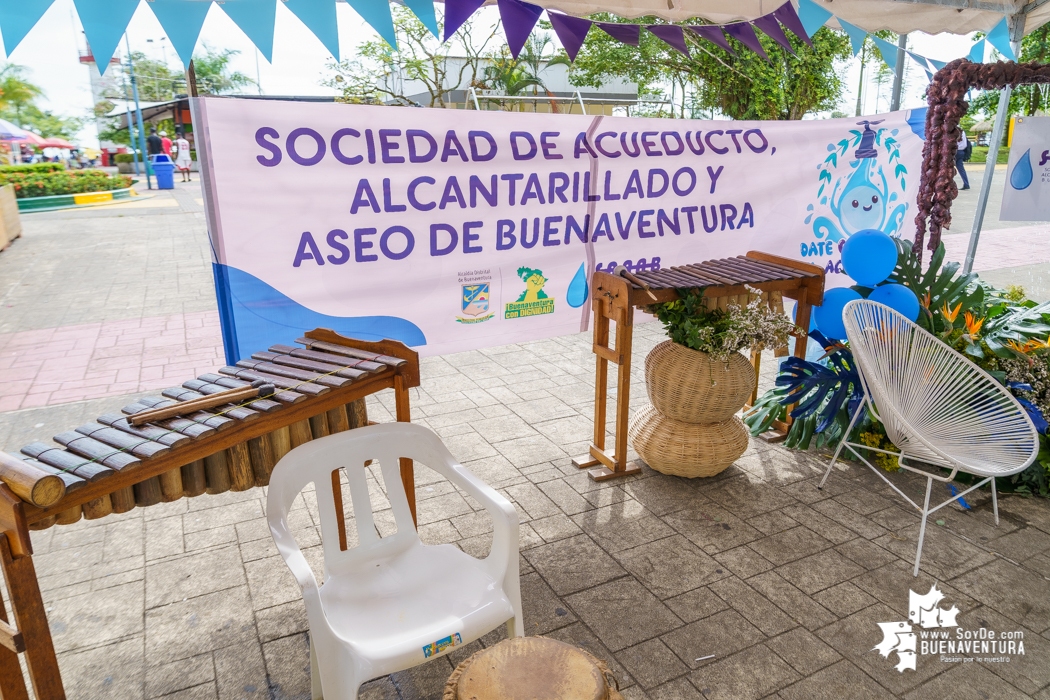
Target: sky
(51,53)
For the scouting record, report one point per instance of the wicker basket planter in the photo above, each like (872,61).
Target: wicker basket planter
(686,449)
(690,386)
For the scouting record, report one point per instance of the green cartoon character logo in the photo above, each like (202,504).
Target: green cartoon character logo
(533,301)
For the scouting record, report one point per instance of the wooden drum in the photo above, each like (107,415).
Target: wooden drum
(532,668)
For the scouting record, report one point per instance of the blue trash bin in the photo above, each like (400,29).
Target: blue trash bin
(164,170)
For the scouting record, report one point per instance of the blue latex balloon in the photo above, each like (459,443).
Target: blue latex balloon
(899,298)
(829,314)
(869,257)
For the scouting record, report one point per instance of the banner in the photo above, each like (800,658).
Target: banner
(1027,193)
(454,230)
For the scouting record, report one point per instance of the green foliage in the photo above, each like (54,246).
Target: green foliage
(740,86)
(1024,99)
(42,184)
(514,76)
(980,155)
(33,168)
(124,158)
(18,97)
(937,286)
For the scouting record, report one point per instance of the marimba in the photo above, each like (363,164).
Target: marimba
(724,282)
(114,465)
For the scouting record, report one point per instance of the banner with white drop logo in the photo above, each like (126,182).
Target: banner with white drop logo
(1026,196)
(453,230)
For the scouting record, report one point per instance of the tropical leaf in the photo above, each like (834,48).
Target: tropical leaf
(820,390)
(940,281)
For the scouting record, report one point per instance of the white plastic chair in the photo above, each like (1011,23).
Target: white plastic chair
(937,406)
(387,604)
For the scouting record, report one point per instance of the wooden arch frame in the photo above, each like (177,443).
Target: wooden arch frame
(937,188)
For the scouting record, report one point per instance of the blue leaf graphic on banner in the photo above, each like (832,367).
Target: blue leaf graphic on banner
(255,315)
(1021,177)
(577,294)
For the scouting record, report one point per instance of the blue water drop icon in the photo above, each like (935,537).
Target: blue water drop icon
(578,292)
(1021,177)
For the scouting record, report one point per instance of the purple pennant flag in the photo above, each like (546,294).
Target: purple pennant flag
(771,28)
(789,18)
(672,35)
(745,34)
(457,12)
(518,20)
(571,31)
(627,33)
(714,34)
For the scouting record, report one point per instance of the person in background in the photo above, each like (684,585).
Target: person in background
(153,143)
(962,154)
(182,156)
(165,143)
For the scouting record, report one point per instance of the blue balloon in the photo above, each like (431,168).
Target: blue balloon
(829,314)
(899,298)
(869,257)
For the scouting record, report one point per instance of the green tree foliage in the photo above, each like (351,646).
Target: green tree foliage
(18,97)
(214,76)
(1025,100)
(511,76)
(741,86)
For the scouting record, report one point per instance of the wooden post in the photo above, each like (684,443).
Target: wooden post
(12,683)
(403,414)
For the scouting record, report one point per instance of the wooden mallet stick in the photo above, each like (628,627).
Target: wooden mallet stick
(622,272)
(258,389)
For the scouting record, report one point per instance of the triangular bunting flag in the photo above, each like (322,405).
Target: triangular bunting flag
(319,18)
(17,18)
(424,10)
(789,18)
(812,16)
(937,64)
(888,51)
(518,19)
(457,12)
(571,31)
(999,37)
(104,22)
(771,28)
(745,34)
(977,52)
(672,35)
(256,19)
(714,34)
(921,60)
(627,33)
(856,35)
(182,21)
(377,14)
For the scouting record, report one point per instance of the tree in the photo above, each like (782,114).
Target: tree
(16,92)
(214,76)
(741,85)
(380,75)
(1025,100)
(509,76)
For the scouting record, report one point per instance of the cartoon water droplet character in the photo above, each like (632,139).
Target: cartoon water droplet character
(866,149)
(1021,177)
(578,291)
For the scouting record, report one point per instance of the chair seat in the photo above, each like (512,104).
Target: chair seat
(987,457)
(392,608)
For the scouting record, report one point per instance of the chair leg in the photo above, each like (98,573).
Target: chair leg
(515,627)
(922,527)
(315,675)
(995,503)
(842,443)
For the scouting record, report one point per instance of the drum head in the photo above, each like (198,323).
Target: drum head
(531,668)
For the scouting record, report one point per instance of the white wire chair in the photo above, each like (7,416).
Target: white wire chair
(937,406)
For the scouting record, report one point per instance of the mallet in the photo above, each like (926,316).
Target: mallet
(258,389)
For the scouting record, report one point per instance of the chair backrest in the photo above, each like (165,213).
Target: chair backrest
(931,399)
(348,451)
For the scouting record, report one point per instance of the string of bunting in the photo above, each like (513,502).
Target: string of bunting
(104,23)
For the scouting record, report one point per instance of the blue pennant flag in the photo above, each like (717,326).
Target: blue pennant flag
(813,16)
(424,10)
(977,52)
(937,64)
(319,18)
(182,21)
(104,22)
(921,60)
(377,14)
(999,37)
(17,18)
(856,35)
(888,51)
(256,19)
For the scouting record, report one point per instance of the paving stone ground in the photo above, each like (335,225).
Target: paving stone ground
(751,584)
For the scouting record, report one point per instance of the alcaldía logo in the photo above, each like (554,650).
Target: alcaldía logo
(475,293)
(533,301)
(938,634)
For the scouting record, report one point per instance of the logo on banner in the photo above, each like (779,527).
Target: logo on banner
(475,296)
(861,186)
(931,630)
(533,301)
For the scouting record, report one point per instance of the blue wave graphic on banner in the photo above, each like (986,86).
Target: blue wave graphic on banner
(917,122)
(255,316)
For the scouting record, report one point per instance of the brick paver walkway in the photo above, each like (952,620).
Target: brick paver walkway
(752,584)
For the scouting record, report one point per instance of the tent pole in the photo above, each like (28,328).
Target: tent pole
(898,73)
(1016,34)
